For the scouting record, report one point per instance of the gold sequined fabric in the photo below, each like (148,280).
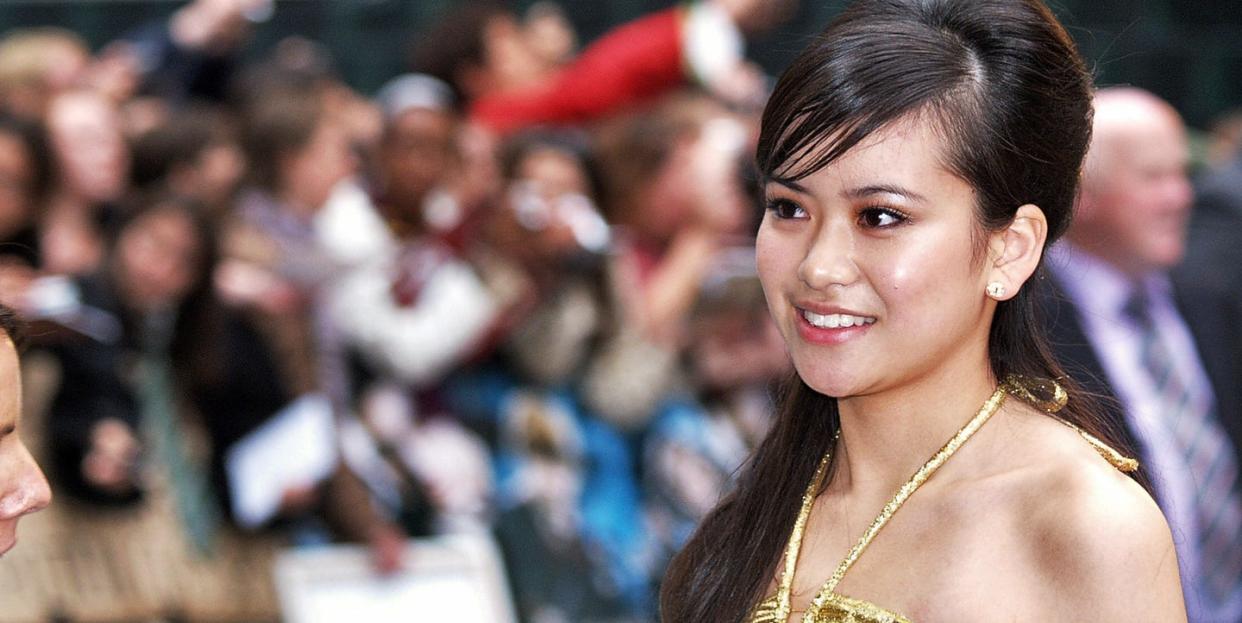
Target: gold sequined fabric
(835,609)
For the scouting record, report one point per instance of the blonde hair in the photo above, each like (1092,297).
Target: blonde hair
(30,57)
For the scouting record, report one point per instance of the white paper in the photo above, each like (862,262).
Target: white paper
(295,449)
(455,578)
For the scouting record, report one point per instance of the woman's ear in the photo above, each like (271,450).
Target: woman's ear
(1014,252)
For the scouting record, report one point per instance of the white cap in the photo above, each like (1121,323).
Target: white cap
(414,91)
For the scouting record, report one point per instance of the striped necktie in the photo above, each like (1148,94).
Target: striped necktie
(1207,454)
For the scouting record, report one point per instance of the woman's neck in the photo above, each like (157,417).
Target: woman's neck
(888,435)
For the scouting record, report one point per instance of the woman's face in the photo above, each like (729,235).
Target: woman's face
(85,134)
(868,266)
(313,171)
(159,257)
(23,489)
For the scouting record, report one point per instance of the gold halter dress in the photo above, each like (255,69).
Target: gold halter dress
(828,606)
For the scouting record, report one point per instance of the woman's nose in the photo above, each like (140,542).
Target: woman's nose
(830,259)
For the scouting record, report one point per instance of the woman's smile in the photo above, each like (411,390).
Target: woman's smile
(830,325)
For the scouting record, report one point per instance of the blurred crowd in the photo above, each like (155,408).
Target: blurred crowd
(517,283)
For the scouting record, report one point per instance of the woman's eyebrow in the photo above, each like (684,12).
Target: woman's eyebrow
(883,189)
(790,184)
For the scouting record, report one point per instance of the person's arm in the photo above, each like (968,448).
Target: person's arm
(631,64)
(194,53)
(93,424)
(417,343)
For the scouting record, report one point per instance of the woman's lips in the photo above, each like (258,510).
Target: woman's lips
(831,328)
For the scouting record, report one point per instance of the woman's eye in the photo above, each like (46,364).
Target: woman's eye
(785,209)
(880,218)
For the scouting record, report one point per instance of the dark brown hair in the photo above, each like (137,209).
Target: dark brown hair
(456,42)
(178,142)
(279,123)
(13,327)
(33,137)
(1005,87)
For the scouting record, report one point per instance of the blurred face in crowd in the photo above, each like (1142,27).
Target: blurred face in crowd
(310,173)
(416,155)
(89,151)
(698,184)
(23,488)
(737,348)
(16,179)
(869,265)
(549,191)
(509,61)
(159,259)
(549,33)
(214,175)
(1136,196)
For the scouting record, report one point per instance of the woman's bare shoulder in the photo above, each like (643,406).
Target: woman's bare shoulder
(1096,538)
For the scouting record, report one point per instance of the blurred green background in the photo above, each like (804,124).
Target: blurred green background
(1187,51)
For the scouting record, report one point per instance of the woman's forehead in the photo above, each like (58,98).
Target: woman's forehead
(908,152)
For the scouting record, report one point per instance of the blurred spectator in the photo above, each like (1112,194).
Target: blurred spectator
(567,493)
(672,188)
(1214,243)
(409,311)
(275,266)
(396,308)
(1169,350)
(91,162)
(698,441)
(194,154)
(550,231)
(156,385)
(24,172)
(36,64)
(23,489)
(1224,139)
(279,274)
(157,271)
(194,54)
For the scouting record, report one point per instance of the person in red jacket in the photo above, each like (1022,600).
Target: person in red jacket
(483,52)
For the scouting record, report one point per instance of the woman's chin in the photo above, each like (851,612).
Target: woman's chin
(833,386)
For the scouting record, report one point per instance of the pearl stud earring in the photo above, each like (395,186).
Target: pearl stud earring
(996,290)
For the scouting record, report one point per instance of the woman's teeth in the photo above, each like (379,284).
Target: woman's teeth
(834,321)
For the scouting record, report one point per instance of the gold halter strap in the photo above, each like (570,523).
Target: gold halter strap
(785,586)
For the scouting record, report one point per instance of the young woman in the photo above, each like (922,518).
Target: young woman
(920,156)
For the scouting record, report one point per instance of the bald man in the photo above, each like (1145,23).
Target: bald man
(1169,351)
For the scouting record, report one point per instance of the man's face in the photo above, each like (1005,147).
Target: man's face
(416,155)
(1137,198)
